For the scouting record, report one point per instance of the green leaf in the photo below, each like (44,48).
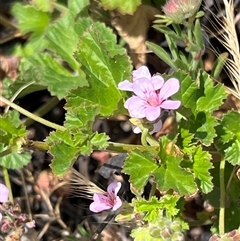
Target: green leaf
(202,164)
(142,233)
(81,117)
(124,6)
(231,123)
(218,65)
(30,19)
(198,34)
(153,206)
(76,6)
(213,95)
(140,166)
(203,127)
(232,153)
(63,150)
(14,160)
(99,140)
(105,65)
(63,39)
(162,54)
(43,5)
(172,176)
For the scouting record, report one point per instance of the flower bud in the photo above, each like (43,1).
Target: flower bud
(166,233)
(154,232)
(178,10)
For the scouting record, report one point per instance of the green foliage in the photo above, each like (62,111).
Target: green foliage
(12,139)
(125,7)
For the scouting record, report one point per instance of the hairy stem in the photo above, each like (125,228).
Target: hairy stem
(8,184)
(32,116)
(44,109)
(222,197)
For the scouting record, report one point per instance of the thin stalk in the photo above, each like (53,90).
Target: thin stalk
(44,109)
(222,197)
(8,184)
(32,116)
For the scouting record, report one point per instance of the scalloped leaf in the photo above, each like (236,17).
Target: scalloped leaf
(202,164)
(213,95)
(63,39)
(172,176)
(30,19)
(76,6)
(124,6)
(14,160)
(105,65)
(232,153)
(153,206)
(139,165)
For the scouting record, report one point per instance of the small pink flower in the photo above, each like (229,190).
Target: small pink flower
(3,193)
(109,201)
(151,94)
(31,224)
(178,10)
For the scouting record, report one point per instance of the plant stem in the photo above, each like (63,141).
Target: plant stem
(8,184)
(32,116)
(44,109)
(222,197)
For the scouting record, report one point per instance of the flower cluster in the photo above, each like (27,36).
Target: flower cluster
(108,201)
(178,10)
(12,220)
(151,95)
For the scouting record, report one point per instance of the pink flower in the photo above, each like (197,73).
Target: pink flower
(109,201)
(31,224)
(3,193)
(151,94)
(178,10)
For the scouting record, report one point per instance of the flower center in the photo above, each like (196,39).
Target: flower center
(153,100)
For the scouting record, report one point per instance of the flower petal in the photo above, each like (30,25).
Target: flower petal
(170,104)
(142,72)
(113,188)
(136,107)
(152,112)
(156,127)
(100,203)
(118,204)
(0,217)
(31,224)
(143,88)
(169,88)
(125,85)
(3,193)
(157,82)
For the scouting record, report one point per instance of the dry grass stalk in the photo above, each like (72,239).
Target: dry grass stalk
(82,187)
(227,36)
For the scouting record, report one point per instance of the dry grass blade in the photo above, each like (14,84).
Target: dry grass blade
(82,187)
(227,36)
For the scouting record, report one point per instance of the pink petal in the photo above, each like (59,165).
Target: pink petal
(142,72)
(118,204)
(100,203)
(136,107)
(143,88)
(152,112)
(114,188)
(31,224)
(3,193)
(99,207)
(157,82)
(0,217)
(156,127)
(169,88)
(170,104)
(125,85)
